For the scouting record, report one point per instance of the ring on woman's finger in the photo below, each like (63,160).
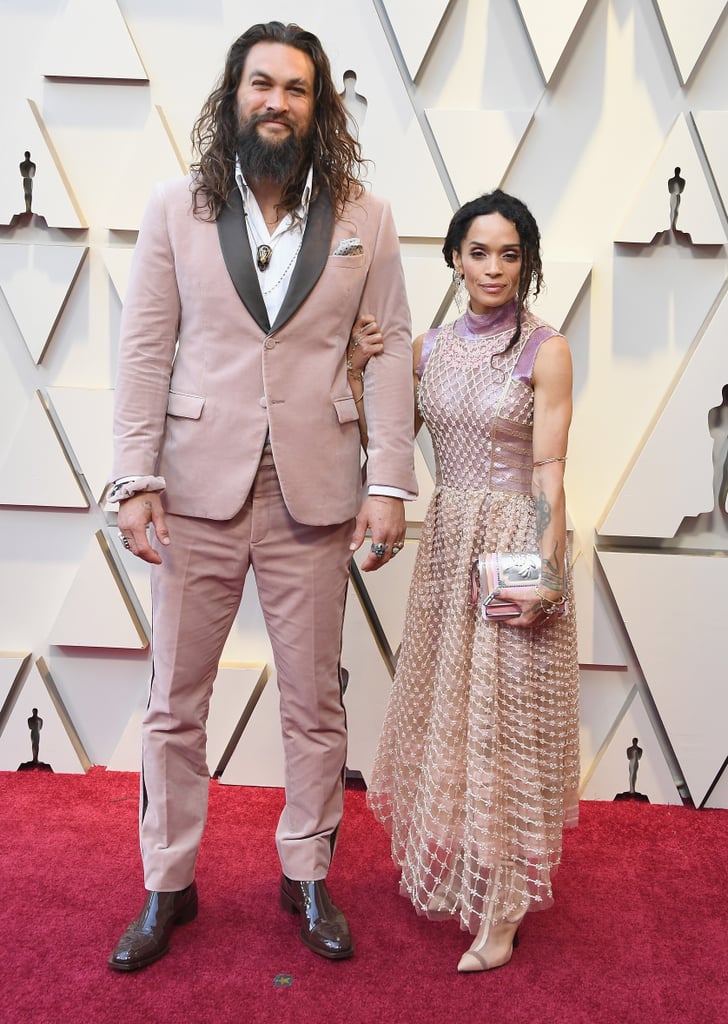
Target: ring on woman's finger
(378,550)
(397,547)
(124,540)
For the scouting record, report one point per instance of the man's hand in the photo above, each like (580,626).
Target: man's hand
(384,518)
(135,515)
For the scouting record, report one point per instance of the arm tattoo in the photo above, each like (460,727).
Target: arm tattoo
(543,514)
(551,575)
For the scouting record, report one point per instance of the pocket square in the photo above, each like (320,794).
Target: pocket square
(349,247)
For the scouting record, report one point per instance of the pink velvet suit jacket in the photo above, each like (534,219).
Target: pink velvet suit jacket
(203,375)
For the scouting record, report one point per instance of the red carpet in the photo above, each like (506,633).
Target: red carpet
(638,935)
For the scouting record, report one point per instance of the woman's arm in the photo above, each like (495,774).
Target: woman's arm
(365,341)
(552,384)
(552,380)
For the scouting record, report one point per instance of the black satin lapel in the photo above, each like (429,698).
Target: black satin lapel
(312,257)
(239,259)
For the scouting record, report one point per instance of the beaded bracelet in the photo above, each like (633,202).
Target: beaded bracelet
(355,376)
(549,607)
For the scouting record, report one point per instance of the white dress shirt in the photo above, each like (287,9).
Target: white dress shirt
(285,242)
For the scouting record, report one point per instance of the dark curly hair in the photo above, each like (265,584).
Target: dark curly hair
(530,280)
(336,155)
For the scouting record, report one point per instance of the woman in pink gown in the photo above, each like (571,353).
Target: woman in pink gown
(477,767)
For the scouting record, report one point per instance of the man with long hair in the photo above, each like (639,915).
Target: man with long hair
(237,445)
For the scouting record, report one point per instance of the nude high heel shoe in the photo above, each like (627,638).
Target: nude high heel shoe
(493,947)
(444,901)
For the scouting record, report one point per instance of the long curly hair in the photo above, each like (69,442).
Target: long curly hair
(336,154)
(530,279)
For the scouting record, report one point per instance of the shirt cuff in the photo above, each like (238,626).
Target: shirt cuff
(392,492)
(127,486)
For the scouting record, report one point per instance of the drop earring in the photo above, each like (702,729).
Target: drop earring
(458,280)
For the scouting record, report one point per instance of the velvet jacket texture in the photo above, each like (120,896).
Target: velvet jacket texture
(203,376)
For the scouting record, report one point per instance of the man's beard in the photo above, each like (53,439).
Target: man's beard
(263,160)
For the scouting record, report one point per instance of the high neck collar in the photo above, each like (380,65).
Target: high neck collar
(493,322)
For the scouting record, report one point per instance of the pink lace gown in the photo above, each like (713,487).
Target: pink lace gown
(477,767)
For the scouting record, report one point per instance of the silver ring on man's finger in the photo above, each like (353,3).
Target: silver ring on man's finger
(124,540)
(378,550)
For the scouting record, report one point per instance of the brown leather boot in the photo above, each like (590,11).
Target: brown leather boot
(147,937)
(324,928)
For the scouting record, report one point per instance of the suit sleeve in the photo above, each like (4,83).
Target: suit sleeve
(388,394)
(148,336)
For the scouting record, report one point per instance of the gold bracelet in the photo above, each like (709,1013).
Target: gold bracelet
(553,606)
(351,373)
(542,462)
(357,400)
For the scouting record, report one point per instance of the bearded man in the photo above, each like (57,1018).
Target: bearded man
(236,445)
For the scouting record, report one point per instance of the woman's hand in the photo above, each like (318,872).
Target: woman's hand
(366,341)
(536,611)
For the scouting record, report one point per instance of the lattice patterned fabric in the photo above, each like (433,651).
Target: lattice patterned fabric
(477,767)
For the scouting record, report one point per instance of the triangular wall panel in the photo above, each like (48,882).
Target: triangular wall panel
(257,760)
(719,794)
(687,28)
(98,610)
(712,127)
(675,465)
(154,157)
(673,607)
(414,34)
(393,140)
(549,26)
(127,755)
(52,197)
(564,284)
(59,744)
(610,775)
(134,572)
(90,39)
(36,472)
(494,136)
(599,646)
(235,693)
(653,207)
(36,281)
(603,698)
(118,263)
(427,279)
(83,418)
(11,668)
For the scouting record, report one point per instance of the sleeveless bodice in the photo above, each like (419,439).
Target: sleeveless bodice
(476,398)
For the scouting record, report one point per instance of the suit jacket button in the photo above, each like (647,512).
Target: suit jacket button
(269,343)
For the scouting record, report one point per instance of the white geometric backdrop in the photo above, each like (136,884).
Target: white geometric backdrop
(592,111)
